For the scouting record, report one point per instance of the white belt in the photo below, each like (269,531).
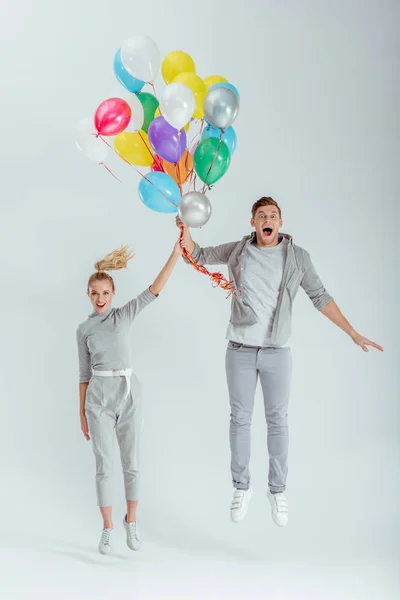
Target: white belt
(122,373)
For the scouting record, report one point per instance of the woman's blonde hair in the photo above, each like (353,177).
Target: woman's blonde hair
(118,259)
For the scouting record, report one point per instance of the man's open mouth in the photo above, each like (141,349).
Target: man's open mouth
(100,305)
(267,231)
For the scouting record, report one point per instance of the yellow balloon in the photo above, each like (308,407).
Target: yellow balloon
(158,114)
(196,84)
(175,63)
(209,81)
(134,148)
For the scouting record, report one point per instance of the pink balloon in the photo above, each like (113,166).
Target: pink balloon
(112,116)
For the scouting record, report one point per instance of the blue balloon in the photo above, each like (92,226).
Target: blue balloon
(227,85)
(229,136)
(126,79)
(159,192)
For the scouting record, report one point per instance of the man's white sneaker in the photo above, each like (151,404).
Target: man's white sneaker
(240,504)
(105,544)
(280,510)
(133,540)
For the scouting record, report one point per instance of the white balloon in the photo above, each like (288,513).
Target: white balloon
(137,118)
(141,57)
(90,145)
(177,104)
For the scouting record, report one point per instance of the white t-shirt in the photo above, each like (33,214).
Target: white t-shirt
(261,284)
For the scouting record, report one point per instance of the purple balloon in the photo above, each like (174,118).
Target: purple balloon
(166,141)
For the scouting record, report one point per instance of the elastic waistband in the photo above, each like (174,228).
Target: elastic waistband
(115,373)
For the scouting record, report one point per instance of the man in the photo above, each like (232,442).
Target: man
(267,269)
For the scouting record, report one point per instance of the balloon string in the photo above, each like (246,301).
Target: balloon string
(217,279)
(151,84)
(98,136)
(148,180)
(105,166)
(144,142)
(178,176)
(212,163)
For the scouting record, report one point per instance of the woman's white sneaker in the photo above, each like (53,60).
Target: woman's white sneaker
(105,544)
(240,504)
(280,509)
(133,540)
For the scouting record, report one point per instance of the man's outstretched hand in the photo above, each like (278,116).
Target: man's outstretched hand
(363,342)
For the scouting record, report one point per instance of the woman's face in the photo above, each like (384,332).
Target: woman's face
(101,294)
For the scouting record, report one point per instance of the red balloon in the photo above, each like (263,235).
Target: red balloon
(112,116)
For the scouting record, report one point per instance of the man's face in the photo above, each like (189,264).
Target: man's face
(267,224)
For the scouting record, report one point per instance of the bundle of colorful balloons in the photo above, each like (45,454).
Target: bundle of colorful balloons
(185,136)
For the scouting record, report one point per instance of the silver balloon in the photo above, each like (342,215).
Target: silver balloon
(194,209)
(221,107)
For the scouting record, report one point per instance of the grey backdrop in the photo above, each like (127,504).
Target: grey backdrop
(318,130)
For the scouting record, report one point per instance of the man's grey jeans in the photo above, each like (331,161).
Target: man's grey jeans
(244,364)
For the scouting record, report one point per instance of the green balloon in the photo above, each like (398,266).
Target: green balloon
(150,105)
(211,160)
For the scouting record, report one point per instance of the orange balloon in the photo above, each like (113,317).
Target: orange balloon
(181,171)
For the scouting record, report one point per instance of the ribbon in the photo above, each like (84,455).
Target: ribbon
(217,279)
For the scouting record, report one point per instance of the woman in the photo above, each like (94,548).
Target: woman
(110,398)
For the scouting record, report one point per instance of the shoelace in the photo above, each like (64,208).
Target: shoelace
(281,503)
(106,537)
(237,499)
(133,531)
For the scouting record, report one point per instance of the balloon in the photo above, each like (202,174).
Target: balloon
(88,142)
(227,85)
(134,148)
(166,141)
(141,57)
(150,105)
(129,82)
(194,209)
(196,84)
(175,63)
(177,104)
(137,117)
(228,136)
(159,192)
(112,116)
(211,160)
(157,164)
(180,171)
(221,106)
(158,113)
(209,81)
